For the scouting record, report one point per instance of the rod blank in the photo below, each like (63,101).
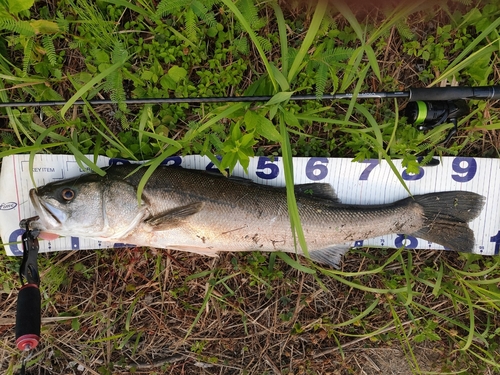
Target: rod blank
(433,94)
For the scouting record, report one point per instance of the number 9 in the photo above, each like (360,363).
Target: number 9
(468,172)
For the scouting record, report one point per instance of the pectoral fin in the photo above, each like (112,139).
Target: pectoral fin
(174,217)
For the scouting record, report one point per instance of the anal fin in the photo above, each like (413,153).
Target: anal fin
(331,255)
(195,249)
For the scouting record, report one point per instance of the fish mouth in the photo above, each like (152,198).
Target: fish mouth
(48,214)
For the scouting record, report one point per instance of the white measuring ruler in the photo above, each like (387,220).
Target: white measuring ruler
(359,183)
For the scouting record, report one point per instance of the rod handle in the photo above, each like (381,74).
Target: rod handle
(454,93)
(28,317)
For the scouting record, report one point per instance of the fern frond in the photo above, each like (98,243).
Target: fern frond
(191,28)
(20,27)
(321,78)
(100,28)
(77,43)
(119,52)
(124,122)
(50,50)
(166,7)
(209,19)
(265,43)
(203,13)
(259,23)
(405,31)
(62,22)
(114,85)
(241,45)
(310,65)
(249,10)
(334,79)
(427,156)
(337,54)
(28,49)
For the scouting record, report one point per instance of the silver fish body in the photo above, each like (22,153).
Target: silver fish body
(206,213)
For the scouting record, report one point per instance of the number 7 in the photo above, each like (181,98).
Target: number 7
(372,163)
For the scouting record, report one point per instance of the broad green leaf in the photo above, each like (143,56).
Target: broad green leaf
(147,75)
(44,27)
(280,78)
(263,126)
(279,98)
(177,73)
(168,83)
(16,6)
(291,120)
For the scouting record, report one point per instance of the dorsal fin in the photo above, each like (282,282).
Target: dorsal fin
(317,190)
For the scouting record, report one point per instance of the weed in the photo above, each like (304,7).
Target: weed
(116,49)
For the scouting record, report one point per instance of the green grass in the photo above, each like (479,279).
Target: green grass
(131,310)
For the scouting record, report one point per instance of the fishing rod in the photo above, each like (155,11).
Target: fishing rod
(413,95)
(427,107)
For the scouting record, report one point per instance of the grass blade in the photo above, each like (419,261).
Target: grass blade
(319,13)
(85,88)
(280,19)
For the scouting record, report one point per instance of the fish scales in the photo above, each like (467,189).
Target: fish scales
(236,214)
(206,213)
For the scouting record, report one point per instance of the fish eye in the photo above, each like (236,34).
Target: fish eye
(67,194)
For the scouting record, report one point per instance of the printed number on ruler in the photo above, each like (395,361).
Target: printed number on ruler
(496,239)
(372,163)
(413,177)
(465,170)
(266,169)
(316,169)
(464,173)
(407,241)
(118,161)
(211,166)
(172,161)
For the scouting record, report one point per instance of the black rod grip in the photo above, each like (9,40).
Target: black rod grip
(454,93)
(28,317)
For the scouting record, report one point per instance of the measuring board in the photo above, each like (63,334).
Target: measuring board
(360,183)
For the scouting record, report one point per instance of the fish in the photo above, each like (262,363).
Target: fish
(207,213)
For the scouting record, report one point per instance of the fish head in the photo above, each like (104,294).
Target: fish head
(90,206)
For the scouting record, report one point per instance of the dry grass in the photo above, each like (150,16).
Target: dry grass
(135,310)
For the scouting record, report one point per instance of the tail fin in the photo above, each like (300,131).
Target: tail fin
(446,216)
